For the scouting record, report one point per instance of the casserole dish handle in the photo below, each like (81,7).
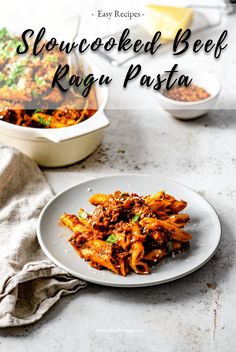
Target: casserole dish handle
(64,134)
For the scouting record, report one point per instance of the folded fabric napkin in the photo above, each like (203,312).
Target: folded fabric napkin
(29,283)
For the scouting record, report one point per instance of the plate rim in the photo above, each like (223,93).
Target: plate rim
(124,285)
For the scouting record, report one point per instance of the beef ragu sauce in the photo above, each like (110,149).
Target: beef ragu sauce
(127,232)
(25,82)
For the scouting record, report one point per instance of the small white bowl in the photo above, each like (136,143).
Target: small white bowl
(190,110)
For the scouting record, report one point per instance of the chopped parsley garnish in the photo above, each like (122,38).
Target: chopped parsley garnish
(18,70)
(2,76)
(37,111)
(111,239)
(39,80)
(8,45)
(9,82)
(123,195)
(18,43)
(44,122)
(52,58)
(136,217)
(82,215)
(3,32)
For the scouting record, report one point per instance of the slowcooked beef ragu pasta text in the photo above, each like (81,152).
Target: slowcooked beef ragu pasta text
(25,82)
(128,232)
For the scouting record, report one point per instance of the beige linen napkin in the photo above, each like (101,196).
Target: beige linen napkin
(29,283)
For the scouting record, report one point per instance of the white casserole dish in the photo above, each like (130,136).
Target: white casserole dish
(60,146)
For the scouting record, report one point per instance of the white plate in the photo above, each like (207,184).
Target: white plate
(205,228)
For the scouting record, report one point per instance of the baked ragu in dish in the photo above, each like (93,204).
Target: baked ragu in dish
(25,81)
(127,232)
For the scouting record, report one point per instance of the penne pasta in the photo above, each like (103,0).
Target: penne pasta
(155,255)
(73,223)
(98,252)
(178,220)
(128,233)
(99,199)
(161,225)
